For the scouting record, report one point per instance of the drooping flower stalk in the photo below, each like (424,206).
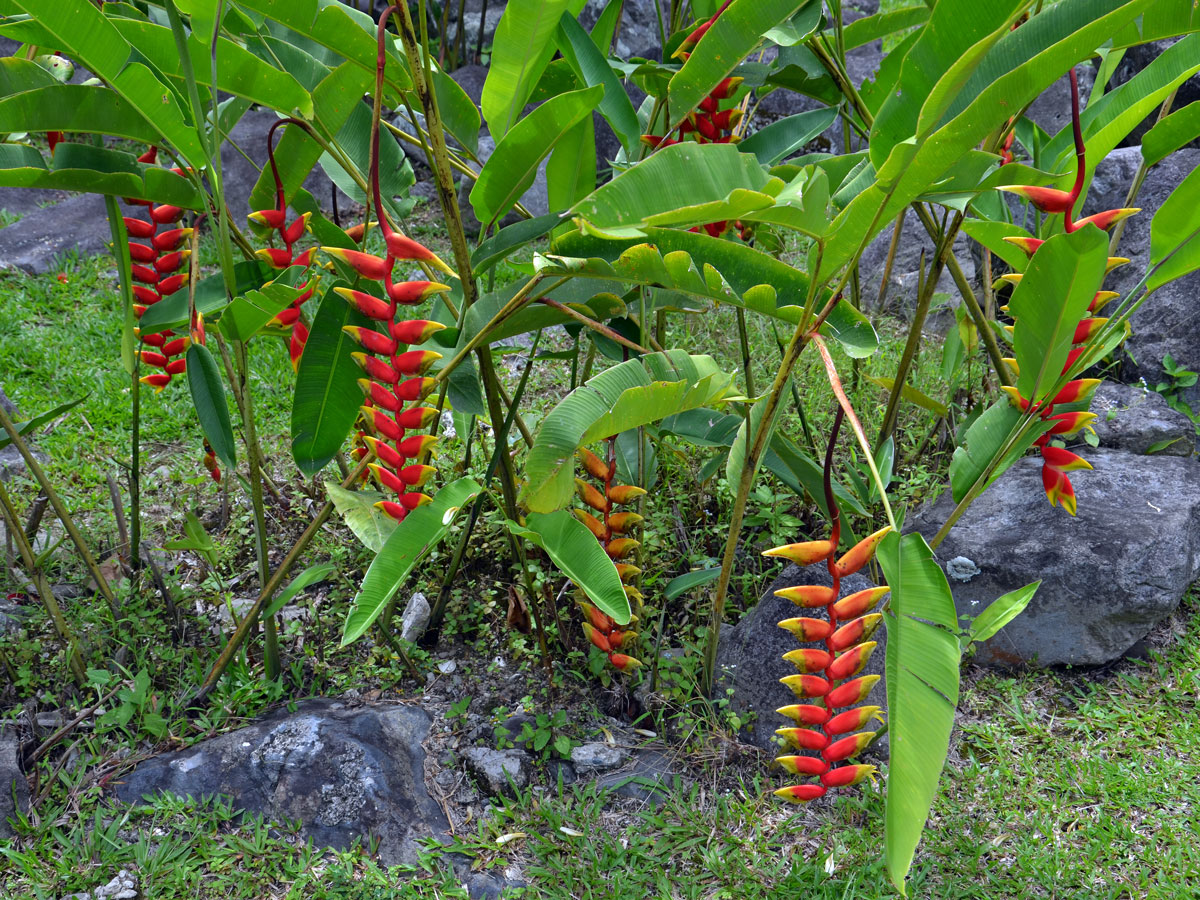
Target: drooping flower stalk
(395,373)
(1057,461)
(824,739)
(611,529)
(275,220)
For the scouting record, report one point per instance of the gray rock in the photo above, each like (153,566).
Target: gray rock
(123,886)
(1167,322)
(1108,574)
(750,657)
(35,243)
(14,789)
(647,778)
(11,462)
(637,34)
(344,774)
(1137,58)
(499,772)
(1130,417)
(416,617)
(492,886)
(597,756)
(19,202)
(905,274)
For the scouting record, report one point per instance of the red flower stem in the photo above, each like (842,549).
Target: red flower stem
(380,66)
(1080,161)
(835,532)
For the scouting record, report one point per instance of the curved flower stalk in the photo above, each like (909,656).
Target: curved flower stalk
(275,220)
(1057,461)
(611,529)
(395,373)
(825,739)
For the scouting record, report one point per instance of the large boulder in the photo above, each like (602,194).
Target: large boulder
(1134,418)
(1108,574)
(342,773)
(750,657)
(35,242)
(1167,322)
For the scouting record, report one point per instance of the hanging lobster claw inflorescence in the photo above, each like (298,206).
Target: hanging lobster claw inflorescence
(825,739)
(611,529)
(1056,461)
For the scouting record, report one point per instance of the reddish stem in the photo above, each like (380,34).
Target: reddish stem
(1080,162)
(835,531)
(380,65)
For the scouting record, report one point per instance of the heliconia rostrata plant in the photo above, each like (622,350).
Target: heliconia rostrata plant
(827,673)
(1068,408)
(611,529)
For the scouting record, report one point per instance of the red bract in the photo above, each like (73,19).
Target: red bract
(828,673)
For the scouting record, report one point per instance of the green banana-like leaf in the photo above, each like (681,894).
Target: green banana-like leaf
(239,72)
(592,68)
(580,557)
(683,185)
(635,392)
(1175,234)
(735,464)
(208,397)
(1166,18)
(512,167)
(1109,120)
(370,525)
(871,28)
(785,137)
(210,298)
(347,32)
(738,30)
(1174,131)
(1059,283)
(327,395)
(249,313)
(982,452)
(571,169)
(421,531)
(922,690)
(459,113)
(510,239)
(522,47)
(992,235)
(90,109)
(1019,66)
(311,575)
(97,170)
(998,613)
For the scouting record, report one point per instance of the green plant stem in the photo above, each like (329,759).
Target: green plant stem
(754,452)
(744,341)
(995,356)
(597,327)
(29,559)
(64,515)
(891,259)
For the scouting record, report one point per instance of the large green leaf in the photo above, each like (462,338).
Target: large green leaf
(249,313)
(739,30)
(511,168)
(992,235)
(510,239)
(522,47)
(983,445)
(370,524)
(690,263)
(239,72)
(735,464)
(1165,18)
(327,396)
(1059,283)
(97,170)
(536,316)
(635,392)
(1179,128)
(347,32)
(922,691)
(872,28)
(571,169)
(1106,122)
(210,296)
(592,68)
(90,109)
(208,397)
(1175,234)
(782,138)
(955,36)
(682,185)
(1020,65)
(421,531)
(580,557)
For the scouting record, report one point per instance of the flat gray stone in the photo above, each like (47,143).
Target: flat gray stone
(1133,418)
(498,772)
(1108,574)
(647,777)
(597,756)
(344,774)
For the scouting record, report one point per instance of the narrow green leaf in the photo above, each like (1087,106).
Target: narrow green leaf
(370,525)
(421,531)
(1175,234)
(511,168)
(327,395)
(922,691)
(510,239)
(785,137)
(1179,128)
(738,31)
(735,465)
(571,169)
(999,613)
(208,397)
(872,28)
(27,426)
(983,443)
(681,584)
(311,575)
(911,394)
(852,330)
(580,557)
(522,47)
(592,68)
